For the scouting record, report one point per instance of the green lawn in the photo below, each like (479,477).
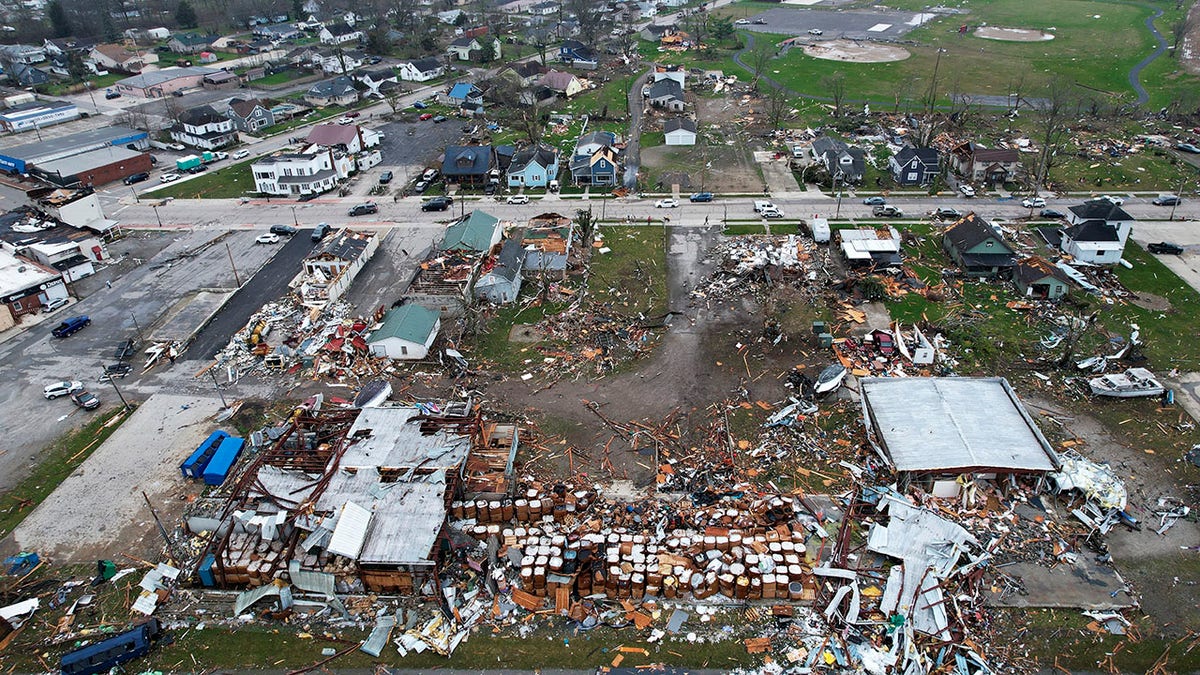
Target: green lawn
(278,78)
(1169,335)
(235,180)
(56,462)
(311,117)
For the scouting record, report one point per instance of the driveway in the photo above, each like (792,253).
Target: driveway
(633,158)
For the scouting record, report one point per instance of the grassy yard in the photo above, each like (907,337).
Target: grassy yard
(308,118)
(278,78)
(58,461)
(99,84)
(235,180)
(633,275)
(1150,170)
(1169,335)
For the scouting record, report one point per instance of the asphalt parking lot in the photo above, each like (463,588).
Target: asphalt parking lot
(411,147)
(852,24)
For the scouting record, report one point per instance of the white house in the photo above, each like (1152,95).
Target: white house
(332,266)
(339,33)
(1097,232)
(471,48)
(205,128)
(422,70)
(450,16)
(295,174)
(407,333)
(336,62)
(680,131)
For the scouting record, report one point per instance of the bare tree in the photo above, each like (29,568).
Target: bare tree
(591,17)
(1180,30)
(1016,92)
(760,56)
(392,97)
(777,106)
(902,90)
(835,85)
(1051,117)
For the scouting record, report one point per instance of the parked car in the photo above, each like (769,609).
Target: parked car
(53,391)
(136,178)
(771,213)
(1165,247)
(199,168)
(1051,213)
(110,94)
(429,175)
(874,201)
(426,116)
(1033,202)
(420,105)
(815,31)
(363,209)
(71,326)
(1166,200)
(517,199)
(271,238)
(887,211)
(436,204)
(946,212)
(219,155)
(124,350)
(116,371)
(439,119)
(1188,147)
(701,197)
(421,186)
(344,120)
(385,177)
(666,203)
(966,190)
(320,231)
(489,189)
(285,230)
(85,399)
(54,304)
(759,22)
(1113,199)
(307,197)
(742,22)
(240,154)
(168,177)
(178,147)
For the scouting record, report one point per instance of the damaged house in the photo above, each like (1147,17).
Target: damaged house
(501,284)
(407,333)
(331,267)
(871,245)
(976,247)
(1097,232)
(547,246)
(445,280)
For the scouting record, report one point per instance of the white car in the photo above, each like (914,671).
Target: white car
(221,155)
(344,121)
(517,199)
(1110,198)
(52,391)
(815,31)
(178,147)
(771,213)
(666,203)
(742,22)
(240,154)
(54,304)
(168,177)
(966,190)
(267,239)
(1033,203)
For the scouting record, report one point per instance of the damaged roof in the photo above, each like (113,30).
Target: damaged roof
(388,437)
(953,425)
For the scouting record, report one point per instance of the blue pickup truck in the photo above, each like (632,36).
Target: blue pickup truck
(71,326)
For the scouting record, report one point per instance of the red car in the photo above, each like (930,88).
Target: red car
(353,114)
(426,116)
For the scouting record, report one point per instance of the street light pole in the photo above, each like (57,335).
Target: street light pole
(158,217)
(231,264)
(112,379)
(136,326)
(838,188)
(218,386)
(294,218)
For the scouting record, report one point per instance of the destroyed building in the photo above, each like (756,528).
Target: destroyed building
(871,245)
(354,500)
(445,280)
(547,243)
(331,267)
(933,429)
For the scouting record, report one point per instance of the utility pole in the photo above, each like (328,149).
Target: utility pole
(294,218)
(112,379)
(218,386)
(158,217)
(236,280)
(136,326)
(1178,195)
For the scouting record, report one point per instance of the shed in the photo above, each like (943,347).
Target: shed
(407,333)
(945,426)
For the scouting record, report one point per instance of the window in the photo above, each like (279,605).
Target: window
(912,175)
(403,350)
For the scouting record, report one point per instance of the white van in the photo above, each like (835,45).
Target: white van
(761,204)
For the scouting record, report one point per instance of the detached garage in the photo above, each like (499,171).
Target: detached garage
(407,333)
(680,131)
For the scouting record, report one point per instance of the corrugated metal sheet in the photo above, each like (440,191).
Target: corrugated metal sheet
(351,531)
(384,437)
(953,423)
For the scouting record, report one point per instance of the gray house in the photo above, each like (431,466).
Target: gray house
(914,166)
(839,158)
(666,94)
(249,116)
(977,247)
(502,283)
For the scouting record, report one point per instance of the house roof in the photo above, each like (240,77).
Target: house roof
(825,145)
(201,115)
(997,155)
(463,90)
(193,39)
(329,134)
(115,52)
(927,156)
(1092,230)
(467,160)
(410,322)
(678,123)
(556,80)
(340,28)
(377,75)
(245,108)
(528,68)
(666,88)
(1099,209)
(953,424)
(541,155)
(426,65)
(508,262)
(473,231)
(599,136)
(345,245)
(972,230)
(337,86)
(464,41)
(1034,269)
(157,77)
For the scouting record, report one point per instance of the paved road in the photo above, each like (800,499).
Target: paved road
(270,283)
(1135,73)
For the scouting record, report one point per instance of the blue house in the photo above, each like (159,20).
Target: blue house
(502,283)
(595,161)
(576,53)
(533,167)
(465,95)
(468,164)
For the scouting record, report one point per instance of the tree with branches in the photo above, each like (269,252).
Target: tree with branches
(1051,119)
(777,106)
(760,56)
(60,23)
(185,15)
(834,85)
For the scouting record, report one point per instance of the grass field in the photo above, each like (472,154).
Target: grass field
(232,181)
